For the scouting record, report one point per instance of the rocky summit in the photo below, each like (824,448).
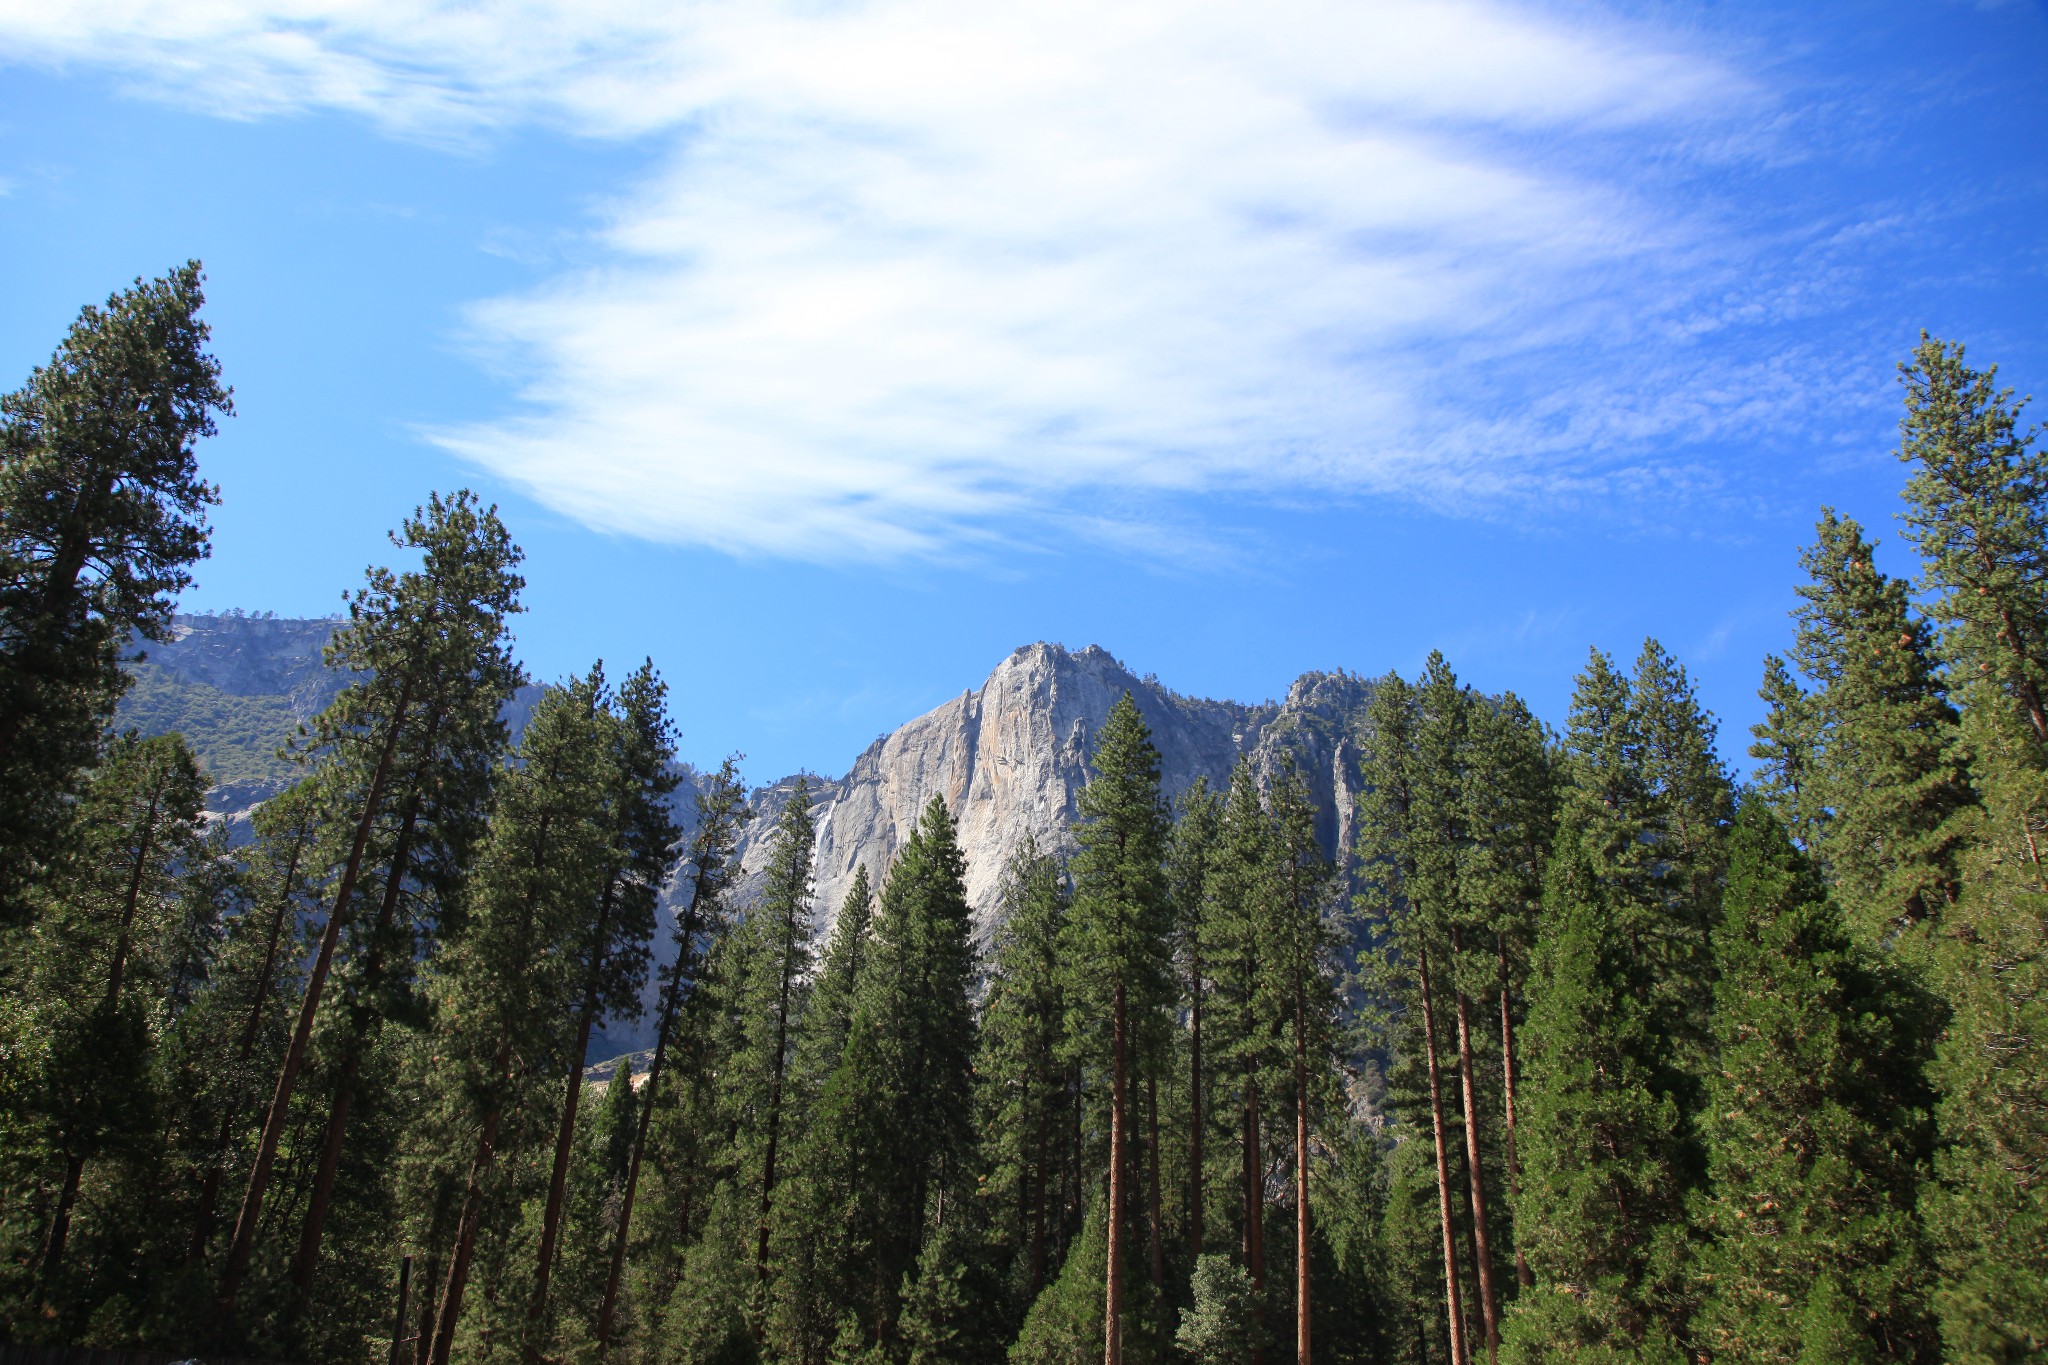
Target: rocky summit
(1009,758)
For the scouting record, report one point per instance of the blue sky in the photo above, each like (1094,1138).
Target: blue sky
(827,352)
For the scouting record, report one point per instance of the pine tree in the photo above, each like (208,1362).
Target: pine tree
(1191,860)
(1684,842)
(1894,788)
(710,868)
(102,515)
(256,984)
(892,1141)
(430,650)
(1977,511)
(1119,931)
(1817,1126)
(513,975)
(803,1324)
(1406,866)
(1022,1069)
(100,964)
(838,984)
(1787,751)
(1444,912)
(1304,951)
(769,987)
(615,950)
(1219,1329)
(1510,801)
(1601,1215)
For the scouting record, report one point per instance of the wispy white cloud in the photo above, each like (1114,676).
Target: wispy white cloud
(913,277)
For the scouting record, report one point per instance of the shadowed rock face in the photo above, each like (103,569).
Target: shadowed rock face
(1010,760)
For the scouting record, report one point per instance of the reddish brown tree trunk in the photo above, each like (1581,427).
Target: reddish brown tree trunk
(209,1190)
(1254,1210)
(1523,1275)
(1113,1295)
(670,999)
(352,1063)
(134,899)
(330,1166)
(1195,1213)
(60,1227)
(1453,1294)
(1153,1219)
(1482,1248)
(1302,1244)
(465,1237)
(565,1130)
(295,1056)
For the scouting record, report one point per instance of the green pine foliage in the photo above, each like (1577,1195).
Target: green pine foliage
(1976,510)
(1818,1127)
(1025,1101)
(102,515)
(1603,1065)
(1220,1328)
(1894,787)
(1787,750)
(1603,1143)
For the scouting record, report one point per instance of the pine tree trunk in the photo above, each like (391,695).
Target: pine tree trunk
(1254,1211)
(423,1342)
(309,1006)
(2037,716)
(1153,1219)
(565,1130)
(1038,1216)
(1482,1244)
(1453,1295)
(1302,1244)
(1523,1275)
(1113,1296)
(465,1234)
(669,1002)
(245,1046)
(330,1165)
(352,1064)
(774,1123)
(1195,1213)
(60,1228)
(133,900)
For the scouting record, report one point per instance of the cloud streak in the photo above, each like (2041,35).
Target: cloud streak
(913,279)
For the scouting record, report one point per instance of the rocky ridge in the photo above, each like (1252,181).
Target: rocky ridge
(1009,758)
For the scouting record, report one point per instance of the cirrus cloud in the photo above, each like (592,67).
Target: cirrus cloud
(908,277)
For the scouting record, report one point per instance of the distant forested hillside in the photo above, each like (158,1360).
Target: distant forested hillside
(236,686)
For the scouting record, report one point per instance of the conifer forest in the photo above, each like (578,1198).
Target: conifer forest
(1615,1044)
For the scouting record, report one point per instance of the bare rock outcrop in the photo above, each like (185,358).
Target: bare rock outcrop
(1010,760)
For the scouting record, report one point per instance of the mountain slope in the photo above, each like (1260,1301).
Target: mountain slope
(1009,757)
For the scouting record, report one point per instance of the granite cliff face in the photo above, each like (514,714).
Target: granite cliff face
(1011,757)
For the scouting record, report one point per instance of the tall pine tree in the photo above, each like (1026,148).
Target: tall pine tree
(1120,934)
(102,515)
(1818,1127)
